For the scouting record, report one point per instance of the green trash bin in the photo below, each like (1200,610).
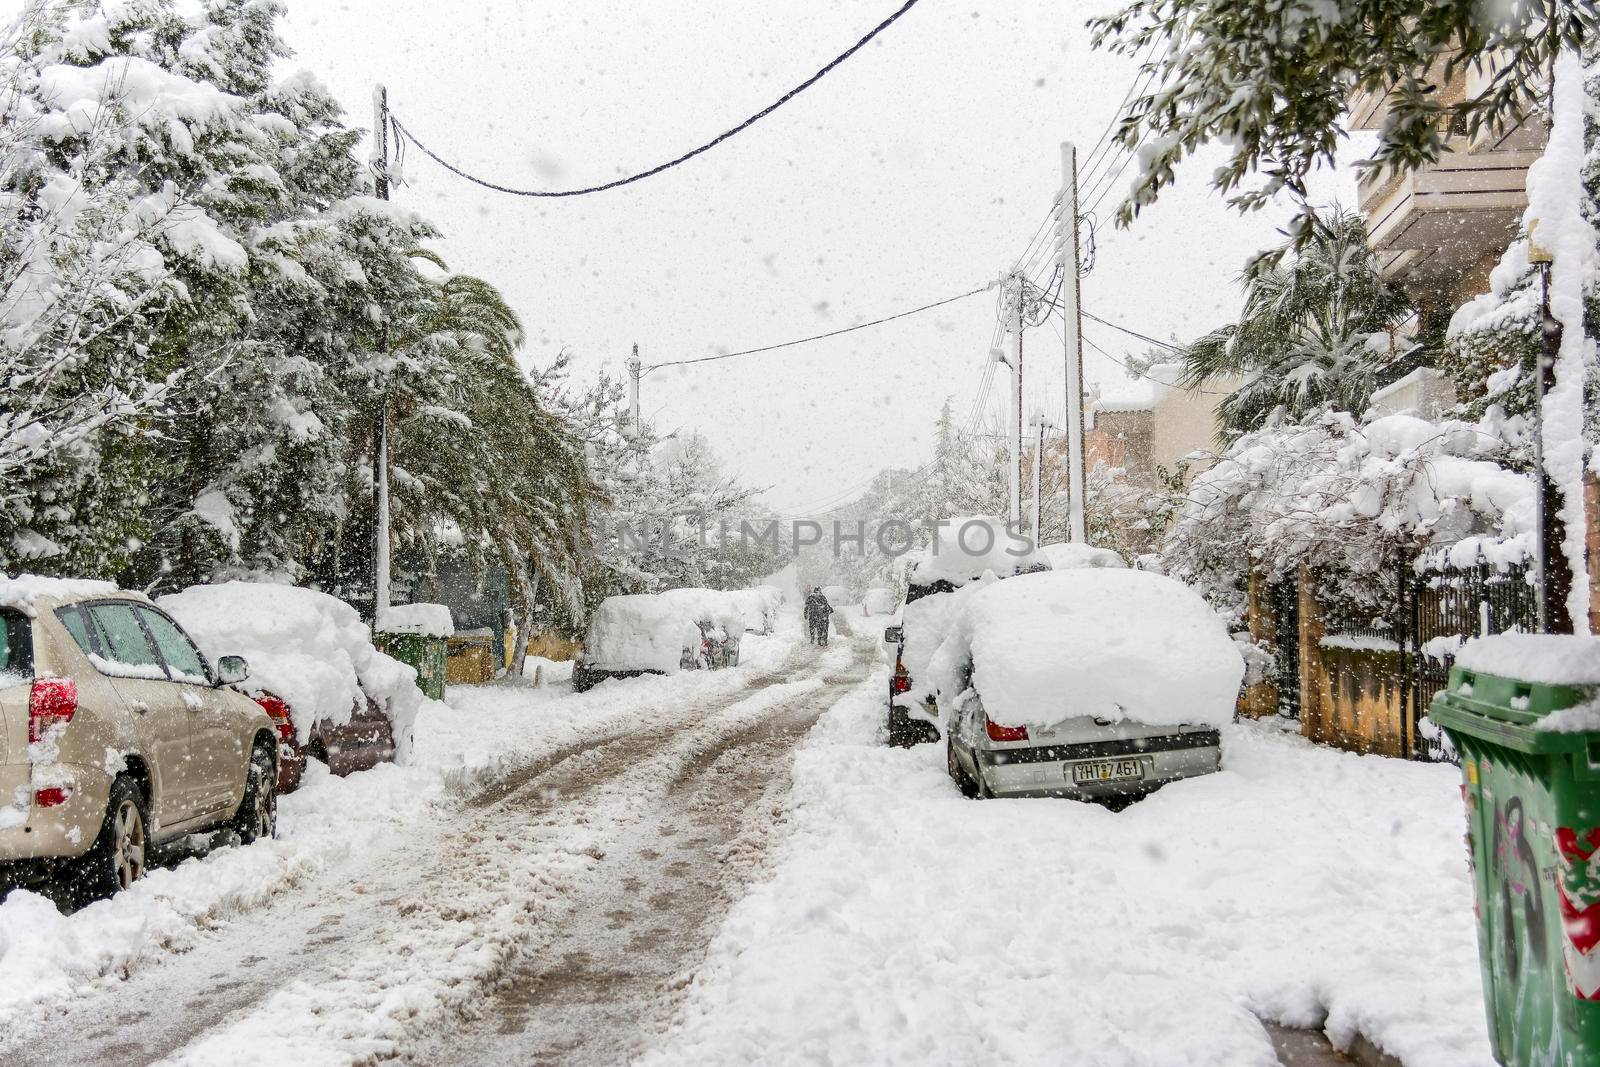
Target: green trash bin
(416,635)
(1532,796)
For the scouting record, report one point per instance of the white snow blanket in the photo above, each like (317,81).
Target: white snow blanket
(879,601)
(963,549)
(903,924)
(21,592)
(429,620)
(1115,644)
(309,648)
(640,632)
(1066,556)
(1552,659)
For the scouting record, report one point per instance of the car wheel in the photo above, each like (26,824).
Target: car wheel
(958,773)
(258,812)
(121,851)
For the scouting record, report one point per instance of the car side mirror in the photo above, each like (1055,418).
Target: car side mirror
(231,670)
(893,635)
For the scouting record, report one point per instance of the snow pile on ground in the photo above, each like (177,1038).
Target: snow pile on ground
(1114,644)
(903,924)
(429,620)
(547,671)
(1553,659)
(308,648)
(21,592)
(963,549)
(1065,556)
(639,632)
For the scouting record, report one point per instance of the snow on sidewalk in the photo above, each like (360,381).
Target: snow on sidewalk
(333,828)
(904,924)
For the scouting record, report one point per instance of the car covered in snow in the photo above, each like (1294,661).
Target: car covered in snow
(118,738)
(964,552)
(1087,683)
(332,695)
(879,601)
(759,606)
(660,633)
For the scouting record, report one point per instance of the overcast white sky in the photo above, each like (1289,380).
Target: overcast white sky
(917,170)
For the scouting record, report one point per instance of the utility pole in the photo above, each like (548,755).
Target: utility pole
(1015,466)
(1040,425)
(380,450)
(1067,254)
(635,372)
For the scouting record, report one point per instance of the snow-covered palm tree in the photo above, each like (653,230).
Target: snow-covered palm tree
(1313,335)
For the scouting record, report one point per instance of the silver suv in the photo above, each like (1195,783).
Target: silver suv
(117,737)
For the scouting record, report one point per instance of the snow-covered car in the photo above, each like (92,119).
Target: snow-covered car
(1090,683)
(759,606)
(879,601)
(964,552)
(314,669)
(659,633)
(118,737)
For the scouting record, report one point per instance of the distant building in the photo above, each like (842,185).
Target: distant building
(1162,429)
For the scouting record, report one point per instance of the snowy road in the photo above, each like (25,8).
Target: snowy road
(552,913)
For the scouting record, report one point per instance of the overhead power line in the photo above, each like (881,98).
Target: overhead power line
(1146,338)
(725,135)
(821,336)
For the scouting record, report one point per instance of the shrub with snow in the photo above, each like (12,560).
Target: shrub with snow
(1114,644)
(308,648)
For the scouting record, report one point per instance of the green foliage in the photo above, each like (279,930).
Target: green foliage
(1271,79)
(1312,336)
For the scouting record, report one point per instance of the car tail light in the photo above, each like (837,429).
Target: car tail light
(278,712)
(51,796)
(50,701)
(1004,733)
(901,681)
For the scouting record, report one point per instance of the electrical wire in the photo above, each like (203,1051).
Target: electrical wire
(725,135)
(1146,338)
(819,336)
(1103,143)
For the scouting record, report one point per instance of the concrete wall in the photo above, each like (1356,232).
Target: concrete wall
(1185,421)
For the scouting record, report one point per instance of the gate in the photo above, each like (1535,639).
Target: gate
(1283,600)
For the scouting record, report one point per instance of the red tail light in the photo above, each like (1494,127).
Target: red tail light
(51,796)
(278,712)
(901,681)
(50,701)
(1004,733)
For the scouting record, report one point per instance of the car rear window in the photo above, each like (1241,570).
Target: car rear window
(126,645)
(73,620)
(16,648)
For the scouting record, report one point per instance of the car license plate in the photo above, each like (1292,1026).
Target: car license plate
(1108,770)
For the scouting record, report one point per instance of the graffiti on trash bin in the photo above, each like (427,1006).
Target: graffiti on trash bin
(1518,872)
(1578,888)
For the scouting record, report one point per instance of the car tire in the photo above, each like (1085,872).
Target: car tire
(958,773)
(258,811)
(121,852)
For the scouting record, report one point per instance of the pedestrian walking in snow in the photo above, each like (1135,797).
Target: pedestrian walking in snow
(817,612)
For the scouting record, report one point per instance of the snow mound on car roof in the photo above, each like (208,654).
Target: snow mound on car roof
(1115,644)
(308,648)
(1064,556)
(708,605)
(640,632)
(21,592)
(964,549)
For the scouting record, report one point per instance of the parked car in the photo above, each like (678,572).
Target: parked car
(935,585)
(118,736)
(759,606)
(1092,683)
(331,694)
(879,601)
(659,633)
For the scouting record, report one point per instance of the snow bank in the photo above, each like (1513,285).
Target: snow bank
(1115,644)
(21,592)
(963,549)
(1066,556)
(310,649)
(640,632)
(429,620)
(1554,659)
(902,924)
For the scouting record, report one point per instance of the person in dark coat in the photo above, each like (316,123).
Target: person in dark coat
(817,611)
